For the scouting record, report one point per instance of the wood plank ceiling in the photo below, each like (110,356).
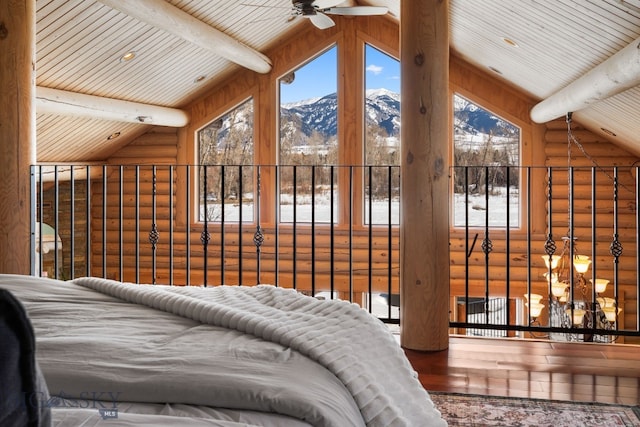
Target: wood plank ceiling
(80,44)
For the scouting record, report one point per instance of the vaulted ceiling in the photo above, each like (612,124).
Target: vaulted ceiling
(183,48)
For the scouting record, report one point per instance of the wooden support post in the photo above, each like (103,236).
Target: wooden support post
(17,132)
(424,255)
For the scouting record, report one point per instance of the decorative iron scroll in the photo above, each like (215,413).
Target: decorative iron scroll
(258,238)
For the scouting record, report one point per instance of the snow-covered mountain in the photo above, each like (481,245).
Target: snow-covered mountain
(302,118)
(320,114)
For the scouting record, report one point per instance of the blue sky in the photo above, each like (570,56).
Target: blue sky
(319,77)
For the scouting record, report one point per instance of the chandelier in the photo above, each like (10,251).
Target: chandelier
(574,301)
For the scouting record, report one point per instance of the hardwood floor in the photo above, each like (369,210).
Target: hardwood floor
(533,369)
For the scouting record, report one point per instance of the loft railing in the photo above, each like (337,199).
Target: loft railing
(328,231)
(545,241)
(333,232)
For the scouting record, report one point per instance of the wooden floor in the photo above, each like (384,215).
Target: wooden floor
(533,369)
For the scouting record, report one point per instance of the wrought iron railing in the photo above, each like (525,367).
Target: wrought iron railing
(323,230)
(508,234)
(333,231)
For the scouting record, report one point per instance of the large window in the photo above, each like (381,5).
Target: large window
(382,137)
(308,140)
(225,158)
(486,153)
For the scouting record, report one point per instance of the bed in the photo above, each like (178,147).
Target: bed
(216,356)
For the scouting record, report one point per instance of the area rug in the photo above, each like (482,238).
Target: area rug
(474,410)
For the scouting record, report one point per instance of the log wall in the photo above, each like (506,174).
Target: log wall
(165,146)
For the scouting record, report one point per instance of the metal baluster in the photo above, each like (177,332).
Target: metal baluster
(222,224)
(507,249)
(258,236)
(120,220)
(332,242)
(351,233)
(594,270)
(528,170)
(87,214)
(370,233)
(187,225)
(295,210)
(104,221)
(154,234)
(549,244)
(56,221)
(389,239)
(241,191)
(616,247)
(277,228)
(487,245)
(72,220)
(313,230)
(171,218)
(467,249)
(137,221)
(205,237)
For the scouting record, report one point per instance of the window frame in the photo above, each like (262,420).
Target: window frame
(522,155)
(196,217)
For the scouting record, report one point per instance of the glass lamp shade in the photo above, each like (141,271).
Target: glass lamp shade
(558,288)
(578,315)
(535,308)
(535,298)
(606,302)
(611,313)
(555,259)
(601,285)
(581,263)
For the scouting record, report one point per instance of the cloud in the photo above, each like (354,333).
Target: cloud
(375,69)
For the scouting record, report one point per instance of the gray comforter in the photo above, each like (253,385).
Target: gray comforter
(179,354)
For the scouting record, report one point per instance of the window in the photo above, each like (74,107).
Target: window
(484,146)
(382,137)
(225,158)
(308,140)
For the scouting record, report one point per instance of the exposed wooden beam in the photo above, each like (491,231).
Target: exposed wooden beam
(613,76)
(163,15)
(60,102)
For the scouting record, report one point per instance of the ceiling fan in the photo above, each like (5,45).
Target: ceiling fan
(317,10)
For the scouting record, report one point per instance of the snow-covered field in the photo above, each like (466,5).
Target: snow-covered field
(478,210)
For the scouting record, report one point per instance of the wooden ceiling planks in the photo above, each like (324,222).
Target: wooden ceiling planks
(79,43)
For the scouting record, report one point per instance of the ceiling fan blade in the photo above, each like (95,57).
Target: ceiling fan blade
(321,20)
(326,4)
(357,10)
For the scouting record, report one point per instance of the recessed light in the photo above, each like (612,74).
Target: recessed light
(608,132)
(510,42)
(113,136)
(495,70)
(128,56)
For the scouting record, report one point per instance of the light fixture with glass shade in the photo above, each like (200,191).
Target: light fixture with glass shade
(574,301)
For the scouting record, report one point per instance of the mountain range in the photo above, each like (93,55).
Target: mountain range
(317,117)
(383,109)
(320,114)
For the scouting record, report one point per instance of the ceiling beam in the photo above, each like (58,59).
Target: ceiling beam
(163,15)
(613,76)
(60,102)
